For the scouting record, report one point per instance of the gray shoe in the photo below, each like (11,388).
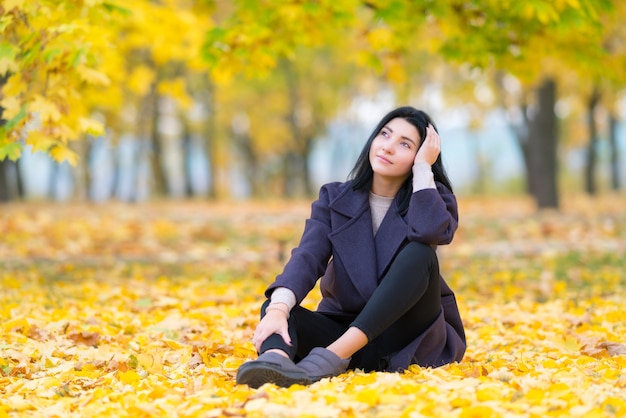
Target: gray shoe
(321,363)
(271,368)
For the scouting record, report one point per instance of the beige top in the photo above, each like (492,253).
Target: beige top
(379,206)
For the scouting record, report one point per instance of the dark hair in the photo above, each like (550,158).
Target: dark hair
(362,173)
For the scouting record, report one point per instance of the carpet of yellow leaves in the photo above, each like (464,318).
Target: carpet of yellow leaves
(148,310)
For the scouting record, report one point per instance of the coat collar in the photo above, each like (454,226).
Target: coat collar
(349,202)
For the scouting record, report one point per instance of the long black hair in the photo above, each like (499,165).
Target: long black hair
(362,173)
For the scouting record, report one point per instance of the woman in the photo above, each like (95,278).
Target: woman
(372,239)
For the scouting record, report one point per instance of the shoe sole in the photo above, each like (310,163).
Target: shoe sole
(256,374)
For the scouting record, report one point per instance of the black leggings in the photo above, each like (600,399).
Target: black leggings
(404,305)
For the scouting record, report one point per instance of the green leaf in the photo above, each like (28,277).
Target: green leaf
(133,362)
(49,54)
(110,7)
(10,150)
(77,57)
(7,51)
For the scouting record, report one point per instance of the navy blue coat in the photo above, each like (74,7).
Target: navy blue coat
(340,229)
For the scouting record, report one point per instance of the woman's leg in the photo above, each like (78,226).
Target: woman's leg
(405,303)
(408,292)
(416,321)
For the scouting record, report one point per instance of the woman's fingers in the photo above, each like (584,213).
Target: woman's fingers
(257,340)
(271,325)
(433,136)
(285,334)
(429,151)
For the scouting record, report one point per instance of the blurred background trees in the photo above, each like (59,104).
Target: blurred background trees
(107,100)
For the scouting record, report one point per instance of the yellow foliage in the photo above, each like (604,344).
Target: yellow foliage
(396,71)
(380,38)
(70,59)
(140,80)
(370,396)
(63,153)
(16,324)
(489,394)
(9,5)
(14,86)
(93,77)
(8,65)
(91,126)
(39,141)
(479,411)
(11,107)
(45,109)
(129,377)
(177,89)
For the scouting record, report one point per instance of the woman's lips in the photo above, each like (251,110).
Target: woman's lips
(383,159)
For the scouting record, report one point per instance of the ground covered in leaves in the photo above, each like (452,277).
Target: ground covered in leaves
(148,310)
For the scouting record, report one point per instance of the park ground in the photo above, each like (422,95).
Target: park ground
(148,310)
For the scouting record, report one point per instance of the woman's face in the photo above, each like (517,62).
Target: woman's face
(393,150)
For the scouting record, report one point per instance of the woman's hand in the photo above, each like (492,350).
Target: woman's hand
(430,149)
(274,322)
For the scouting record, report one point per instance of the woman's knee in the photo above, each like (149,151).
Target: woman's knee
(420,248)
(418,253)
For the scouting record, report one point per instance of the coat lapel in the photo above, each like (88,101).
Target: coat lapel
(390,236)
(353,240)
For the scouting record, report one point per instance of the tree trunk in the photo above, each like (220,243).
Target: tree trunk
(294,167)
(477,158)
(240,129)
(306,172)
(297,177)
(83,174)
(186,139)
(590,166)
(210,144)
(615,172)
(5,194)
(160,181)
(537,138)
(147,123)
(522,133)
(19,183)
(251,163)
(11,187)
(542,149)
(52,181)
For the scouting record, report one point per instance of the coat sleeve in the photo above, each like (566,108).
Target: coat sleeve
(432,216)
(310,258)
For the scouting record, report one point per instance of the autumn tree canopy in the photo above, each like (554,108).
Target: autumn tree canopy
(74,68)
(77,68)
